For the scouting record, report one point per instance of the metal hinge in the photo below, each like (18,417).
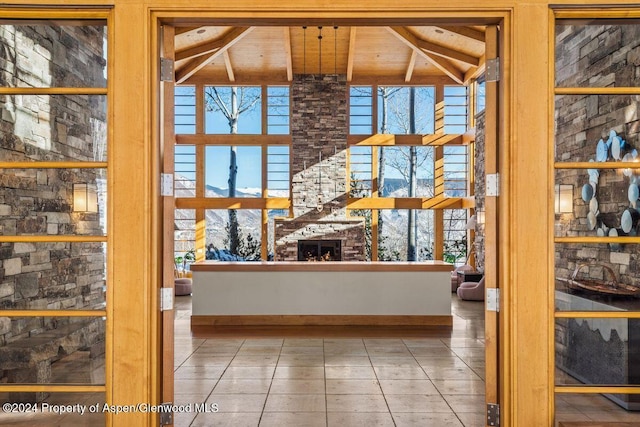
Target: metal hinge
(492,70)
(166,299)
(493,299)
(492,185)
(166,70)
(166,418)
(166,184)
(493,414)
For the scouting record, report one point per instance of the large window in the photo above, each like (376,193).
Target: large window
(399,165)
(235,156)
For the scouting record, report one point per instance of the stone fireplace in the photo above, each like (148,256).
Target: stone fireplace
(319,128)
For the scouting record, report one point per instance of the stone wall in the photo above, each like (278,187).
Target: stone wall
(61,275)
(479,188)
(596,56)
(319,127)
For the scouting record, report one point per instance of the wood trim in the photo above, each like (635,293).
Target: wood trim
(598,165)
(351,54)
(270,266)
(231,203)
(594,389)
(597,91)
(447,53)
(410,66)
(467,32)
(411,203)
(322,320)
(388,139)
(597,314)
(287,50)
(233,139)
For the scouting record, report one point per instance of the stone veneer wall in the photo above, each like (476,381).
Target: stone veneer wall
(61,275)
(596,56)
(319,127)
(479,187)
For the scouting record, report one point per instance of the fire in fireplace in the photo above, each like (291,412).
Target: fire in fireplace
(319,250)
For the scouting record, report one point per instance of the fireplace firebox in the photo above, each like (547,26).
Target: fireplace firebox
(319,250)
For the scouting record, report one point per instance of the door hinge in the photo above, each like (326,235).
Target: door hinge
(166,184)
(166,299)
(493,299)
(492,70)
(493,414)
(166,417)
(492,185)
(166,70)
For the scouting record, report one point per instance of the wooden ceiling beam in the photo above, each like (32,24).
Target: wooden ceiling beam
(208,47)
(411,66)
(352,52)
(288,54)
(442,64)
(195,65)
(228,66)
(447,52)
(475,72)
(467,32)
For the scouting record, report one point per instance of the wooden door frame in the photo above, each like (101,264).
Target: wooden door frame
(503,17)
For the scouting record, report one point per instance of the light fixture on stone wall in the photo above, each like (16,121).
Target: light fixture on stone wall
(480,216)
(85,198)
(319,206)
(563,198)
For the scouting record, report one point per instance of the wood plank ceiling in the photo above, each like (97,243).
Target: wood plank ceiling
(393,54)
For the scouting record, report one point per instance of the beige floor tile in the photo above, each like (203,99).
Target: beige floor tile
(237,342)
(432,352)
(347,360)
(198,372)
(259,350)
(357,419)
(190,398)
(384,342)
(206,360)
(389,351)
(356,403)
(296,386)
(399,373)
(197,386)
(295,403)
(350,372)
(460,386)
(301,360)
(228,419)
(86,420)
(303,342)
(255,360)
(343,341)
(353,386)
(401,362)
(264,342)
(297,419)
(423,342)
(316,351)
(183,419)
(461,373)
(407,387)
(248,372)
(238,402)
(417,403)
(300,372)
(472,419)
(219,351)
(426,420)
(243,386)
(465,403)
(346,352)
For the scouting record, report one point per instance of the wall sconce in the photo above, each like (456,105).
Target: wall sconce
(480,217)
(85,198)
(563,198)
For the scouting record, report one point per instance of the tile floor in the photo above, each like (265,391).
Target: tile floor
(433,380)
